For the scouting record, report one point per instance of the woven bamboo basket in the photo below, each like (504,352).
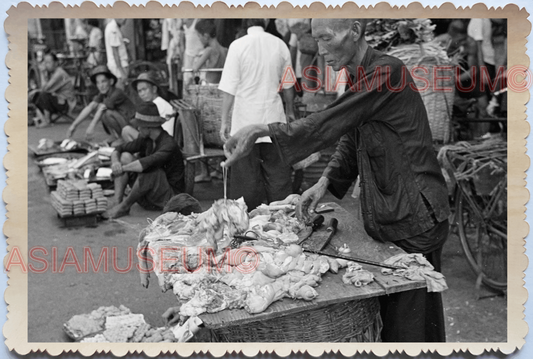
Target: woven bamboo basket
(439,104)
(353,321)
(208,100)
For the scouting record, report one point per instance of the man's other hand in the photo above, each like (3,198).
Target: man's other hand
(224,133)
(70,131)
(89,134)
(305,209)
(116,168)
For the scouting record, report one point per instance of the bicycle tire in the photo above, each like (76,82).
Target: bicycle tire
(491,261)
(34,78)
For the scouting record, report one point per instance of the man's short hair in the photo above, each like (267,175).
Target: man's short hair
(254,22)
(183,203)
(457,27)
(52,55)
(93,22)
(343,24)
(206,26)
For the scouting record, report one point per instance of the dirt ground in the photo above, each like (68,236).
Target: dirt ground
(55,295)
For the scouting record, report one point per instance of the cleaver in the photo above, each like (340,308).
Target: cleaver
(310,227)
(320,239)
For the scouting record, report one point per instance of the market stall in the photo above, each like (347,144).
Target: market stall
(70,159)
(340,312)
(79,178)
(202,259)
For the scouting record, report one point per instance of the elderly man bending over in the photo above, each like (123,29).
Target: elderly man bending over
(384,137)
(158,172)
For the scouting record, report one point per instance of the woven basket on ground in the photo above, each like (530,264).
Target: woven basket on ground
(208,100)
(354,321)
(438,103)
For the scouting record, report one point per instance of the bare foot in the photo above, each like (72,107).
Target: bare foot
(42,124)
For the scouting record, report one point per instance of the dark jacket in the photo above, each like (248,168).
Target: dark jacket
(385,138)
(166,155)
(117,100)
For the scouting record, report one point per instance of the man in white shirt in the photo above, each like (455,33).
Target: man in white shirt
(149,91)
(250,81)
(117,54)
(481,31)
(95,43)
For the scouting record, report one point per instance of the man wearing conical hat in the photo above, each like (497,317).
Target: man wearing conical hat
(156,174)
(111,106)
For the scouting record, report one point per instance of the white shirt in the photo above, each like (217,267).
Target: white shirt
(113,38)
(95,38)
(95,41)
(252,73)
(293,42)
(481,30)
(193,45)
(167,112)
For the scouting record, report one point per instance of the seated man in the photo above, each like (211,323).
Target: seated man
(113,108)
(149,91)
(57,94)
(156,175)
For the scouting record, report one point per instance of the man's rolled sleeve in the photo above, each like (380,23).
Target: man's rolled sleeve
(115,38)
(286,64)
(475,29)
(134,146)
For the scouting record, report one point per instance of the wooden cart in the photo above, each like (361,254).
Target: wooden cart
(189,134)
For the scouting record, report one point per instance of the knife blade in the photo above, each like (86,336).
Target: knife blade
(311,226)
(320,239)
(331,229)
(354,259)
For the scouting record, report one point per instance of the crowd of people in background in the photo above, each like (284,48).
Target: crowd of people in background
(246,59)
(197,44)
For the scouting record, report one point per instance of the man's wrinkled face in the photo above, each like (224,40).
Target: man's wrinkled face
(103,83)
(147,92)
(335,43)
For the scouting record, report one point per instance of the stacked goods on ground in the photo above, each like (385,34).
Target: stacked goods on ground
(77,198)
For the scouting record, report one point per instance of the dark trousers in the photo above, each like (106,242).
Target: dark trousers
(260,176)
(152,188)
(45,101)
(113,122)
(416,315)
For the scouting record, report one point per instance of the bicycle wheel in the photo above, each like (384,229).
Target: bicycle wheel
(484,239)
(34,78)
